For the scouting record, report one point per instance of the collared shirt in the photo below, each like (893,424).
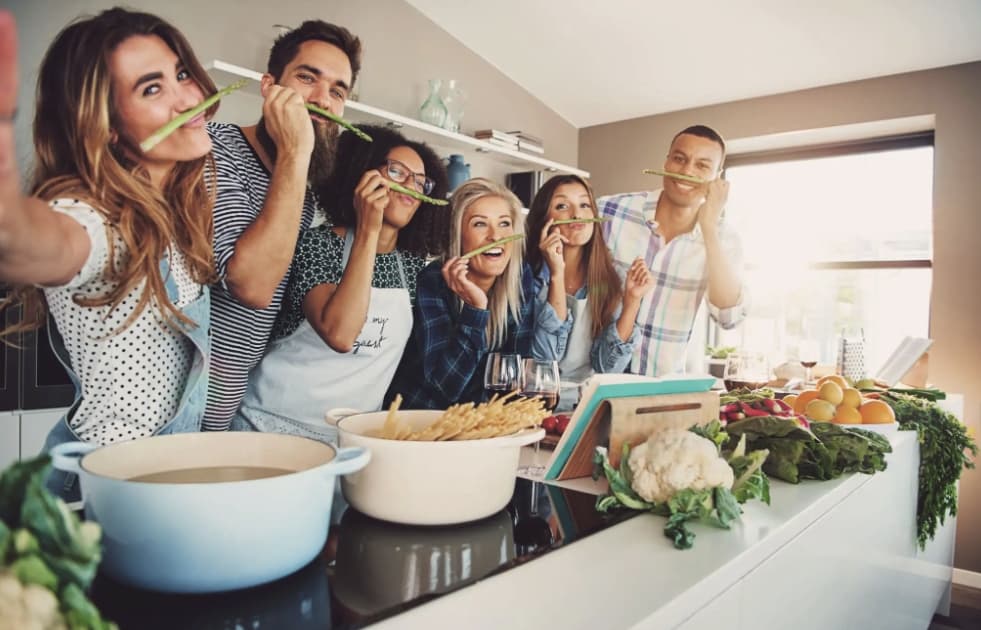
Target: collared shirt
(444,361)
(680,272)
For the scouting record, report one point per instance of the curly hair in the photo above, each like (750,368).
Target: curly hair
(425,234)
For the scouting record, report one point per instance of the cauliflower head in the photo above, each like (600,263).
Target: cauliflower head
(674,460)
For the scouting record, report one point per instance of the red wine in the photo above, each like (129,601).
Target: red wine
(551,398)
(500,390)
(808,364)
(732,384)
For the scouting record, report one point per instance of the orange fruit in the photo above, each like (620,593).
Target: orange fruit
(830,391)
(803,398)
(847,415)
(820,410)
(876,412)
(835,378)
(851,397)
(790,399)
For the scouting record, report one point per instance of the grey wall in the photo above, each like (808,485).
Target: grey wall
(403,49)
(615,153)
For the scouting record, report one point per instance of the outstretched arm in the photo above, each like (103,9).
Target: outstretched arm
(37,244)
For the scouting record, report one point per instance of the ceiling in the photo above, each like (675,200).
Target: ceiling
(600,61)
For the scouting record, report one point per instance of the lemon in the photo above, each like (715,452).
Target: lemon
(851,397)
(831,392)
(834,378)
(790,399)
(820,410)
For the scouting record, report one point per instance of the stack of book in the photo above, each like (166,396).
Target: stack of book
(515,140)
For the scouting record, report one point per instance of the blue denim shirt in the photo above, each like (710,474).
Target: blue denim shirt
(189,411)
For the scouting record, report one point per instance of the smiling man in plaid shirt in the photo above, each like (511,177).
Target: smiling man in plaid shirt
(679,232)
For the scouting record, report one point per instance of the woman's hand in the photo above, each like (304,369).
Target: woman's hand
(455,275)
(551,244)
(370,200)
(639,280)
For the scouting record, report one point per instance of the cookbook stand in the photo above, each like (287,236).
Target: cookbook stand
(622,408)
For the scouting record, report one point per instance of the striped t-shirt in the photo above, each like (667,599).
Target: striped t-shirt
(238,333)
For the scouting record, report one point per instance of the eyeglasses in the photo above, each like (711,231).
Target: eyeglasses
(400,174)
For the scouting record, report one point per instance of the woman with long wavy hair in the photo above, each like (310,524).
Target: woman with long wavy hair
(582,293)
(114,245)
(469,307)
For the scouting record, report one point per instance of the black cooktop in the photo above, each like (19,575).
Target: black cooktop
(370,570)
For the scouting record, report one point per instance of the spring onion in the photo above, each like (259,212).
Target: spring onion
(340,121)
(177,122)
(415,194)
(490,246)
(589,220)
(684,178)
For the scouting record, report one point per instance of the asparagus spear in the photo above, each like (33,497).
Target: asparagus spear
(161,134)
(483,248)
(415,194)
(340,121)
(684,178)
(589,220)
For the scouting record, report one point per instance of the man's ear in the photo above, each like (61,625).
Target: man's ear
(265,83)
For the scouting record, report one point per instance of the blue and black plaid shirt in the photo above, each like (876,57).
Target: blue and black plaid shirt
(444,359)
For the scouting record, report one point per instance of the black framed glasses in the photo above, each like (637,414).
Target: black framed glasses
(400,174)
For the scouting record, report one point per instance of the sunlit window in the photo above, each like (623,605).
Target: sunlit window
(836,243)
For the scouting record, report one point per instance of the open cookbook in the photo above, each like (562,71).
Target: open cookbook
(573,454)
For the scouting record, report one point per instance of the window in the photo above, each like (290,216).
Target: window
(837,242)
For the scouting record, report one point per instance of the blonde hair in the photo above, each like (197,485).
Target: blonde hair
(76,157)
(505,295)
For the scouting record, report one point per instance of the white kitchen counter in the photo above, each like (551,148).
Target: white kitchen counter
(838,554)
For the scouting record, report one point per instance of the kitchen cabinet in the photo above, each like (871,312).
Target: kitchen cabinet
(34,428)
(443,141)
(9,438)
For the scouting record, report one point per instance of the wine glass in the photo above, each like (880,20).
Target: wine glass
(541,379)
(750,370)
(809,351)
(502,374)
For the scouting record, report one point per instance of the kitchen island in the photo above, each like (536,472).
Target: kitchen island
(838,554)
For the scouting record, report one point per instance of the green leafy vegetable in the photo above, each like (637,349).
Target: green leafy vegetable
(340,121)
(415,194)
(483,248)
(946,449)
(178,121)
(686,178)
(42,541)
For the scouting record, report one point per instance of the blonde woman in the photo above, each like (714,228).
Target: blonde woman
(115,245)
(468,307)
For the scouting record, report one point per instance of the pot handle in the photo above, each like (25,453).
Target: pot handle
(67,456)
(349,460)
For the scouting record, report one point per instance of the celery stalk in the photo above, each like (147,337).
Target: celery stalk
(177,122)
(684,178)
(340,121)
(490,246)
(415,194)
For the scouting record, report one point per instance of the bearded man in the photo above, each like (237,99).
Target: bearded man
(267,178)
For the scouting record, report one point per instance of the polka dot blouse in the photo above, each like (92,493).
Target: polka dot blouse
(132,381)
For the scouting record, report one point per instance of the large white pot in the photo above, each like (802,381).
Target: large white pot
(207,537)
(430,483)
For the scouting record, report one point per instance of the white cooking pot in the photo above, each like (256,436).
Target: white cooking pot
(215,536)
(430,483)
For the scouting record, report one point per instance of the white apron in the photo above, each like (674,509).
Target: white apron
(301,377)
(575,366)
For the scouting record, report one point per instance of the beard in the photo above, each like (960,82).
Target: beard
(322,159)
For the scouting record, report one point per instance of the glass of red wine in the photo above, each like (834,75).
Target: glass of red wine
(749,370)
(809,352)
(503,374)
(541,379)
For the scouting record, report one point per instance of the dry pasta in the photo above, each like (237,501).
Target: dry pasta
(499,416)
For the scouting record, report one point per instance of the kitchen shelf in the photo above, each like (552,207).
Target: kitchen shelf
(447,141)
